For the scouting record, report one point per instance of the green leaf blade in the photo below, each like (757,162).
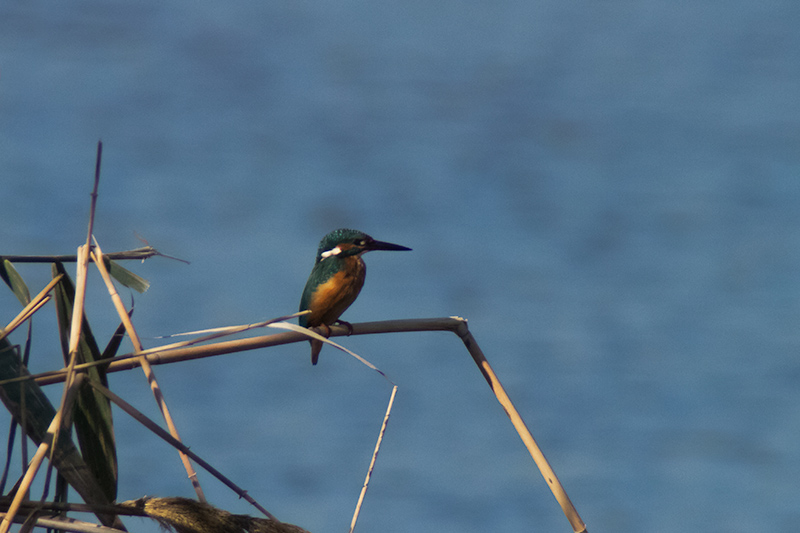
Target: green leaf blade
(126,277)
(15,282)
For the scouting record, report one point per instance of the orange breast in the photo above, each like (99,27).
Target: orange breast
(334,296)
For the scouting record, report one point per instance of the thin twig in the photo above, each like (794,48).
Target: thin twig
(217,333)
(136,254)
(314,335)
(152,426)
(97,255)
(372,462)
(93,206)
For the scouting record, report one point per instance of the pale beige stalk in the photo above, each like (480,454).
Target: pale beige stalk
(97,256)
(35,304)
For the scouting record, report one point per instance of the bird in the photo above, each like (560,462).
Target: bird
(337,278)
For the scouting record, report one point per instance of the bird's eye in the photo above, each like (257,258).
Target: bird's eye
(362,242)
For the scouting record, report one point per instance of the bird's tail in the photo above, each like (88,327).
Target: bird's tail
(316,346)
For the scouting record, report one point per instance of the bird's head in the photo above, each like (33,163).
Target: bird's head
(348,242)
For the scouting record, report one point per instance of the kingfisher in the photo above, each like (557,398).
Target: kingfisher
(337,278)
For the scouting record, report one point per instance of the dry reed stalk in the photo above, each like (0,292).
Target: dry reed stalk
(35,304)
(162,355)
(217,333)
(146,252)
(82,268)
(75,329)
(536,453)
(77,309)
(372,462)
(70,524)
(97,256)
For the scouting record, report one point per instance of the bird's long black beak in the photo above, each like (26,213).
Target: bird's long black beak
(380,245)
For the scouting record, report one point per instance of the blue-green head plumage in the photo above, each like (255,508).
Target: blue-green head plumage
(339,237)
(345,242)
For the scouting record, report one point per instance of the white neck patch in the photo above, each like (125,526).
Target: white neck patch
(327,253)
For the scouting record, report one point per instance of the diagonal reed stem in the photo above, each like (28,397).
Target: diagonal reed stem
(536,453)
(97,256)
(34,305)
(180,446)
(372,462)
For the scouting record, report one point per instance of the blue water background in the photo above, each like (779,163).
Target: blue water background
(608,191)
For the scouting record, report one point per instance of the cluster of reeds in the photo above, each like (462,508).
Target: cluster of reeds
(90,468)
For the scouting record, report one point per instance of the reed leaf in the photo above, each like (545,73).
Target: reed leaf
(126,277)
(15,282)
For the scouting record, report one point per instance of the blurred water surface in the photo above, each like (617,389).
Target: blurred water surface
(608,192)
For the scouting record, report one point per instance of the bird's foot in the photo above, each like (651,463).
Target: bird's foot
(348,325)
(327,333)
